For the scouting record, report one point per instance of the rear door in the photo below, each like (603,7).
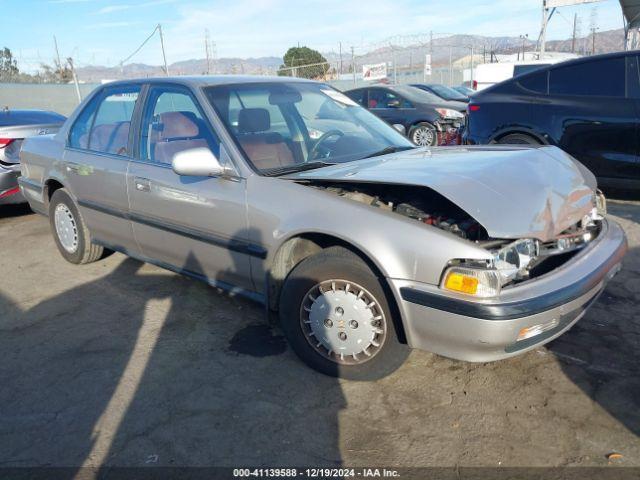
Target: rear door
(195,224)
(593,117)
(96,159)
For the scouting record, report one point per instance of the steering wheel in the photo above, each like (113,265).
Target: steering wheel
(331,133)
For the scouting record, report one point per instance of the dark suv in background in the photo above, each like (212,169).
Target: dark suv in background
(589,107)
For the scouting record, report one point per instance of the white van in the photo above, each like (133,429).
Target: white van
(488,74)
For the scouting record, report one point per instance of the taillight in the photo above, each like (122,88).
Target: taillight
(5,141)
(473,108)
(8,193)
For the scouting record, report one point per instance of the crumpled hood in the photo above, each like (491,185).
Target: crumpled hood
(513,192)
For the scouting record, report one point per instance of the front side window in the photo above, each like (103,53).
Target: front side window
(297,125)
(605,77)
(106,129)
(172,123)
(379,98)
(358,96)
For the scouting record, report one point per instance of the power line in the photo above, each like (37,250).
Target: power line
(141,45)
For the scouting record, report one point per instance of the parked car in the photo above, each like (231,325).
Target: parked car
(589,107)
(442,91)
(15,125)
(360,242)
(426,119)
(464,90)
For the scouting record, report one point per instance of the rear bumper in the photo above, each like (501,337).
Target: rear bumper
(10,194)
(484,331)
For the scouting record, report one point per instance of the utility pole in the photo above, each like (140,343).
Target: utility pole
(206,50)
(472,53)
(340,49)
(593,40)
(450,65)
(575,31)
(543,32)
(353,65)
(164,56)
(55,42)
(75,79)
(431,52)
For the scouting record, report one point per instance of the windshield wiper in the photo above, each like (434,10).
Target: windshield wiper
(301,167)
(388,150)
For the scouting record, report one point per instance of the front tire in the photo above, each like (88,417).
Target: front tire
(335,315)
(424,135)
(70,233)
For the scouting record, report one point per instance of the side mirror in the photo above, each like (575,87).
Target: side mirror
(197,162)
(400,128)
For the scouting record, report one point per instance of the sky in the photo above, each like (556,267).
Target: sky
(104,32)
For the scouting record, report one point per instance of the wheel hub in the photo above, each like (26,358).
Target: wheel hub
(424,136)
(66,228)
(343,321)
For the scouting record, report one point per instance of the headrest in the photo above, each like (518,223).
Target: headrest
(254,120)
(178,125)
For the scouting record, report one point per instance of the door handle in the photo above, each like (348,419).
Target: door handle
(142,184)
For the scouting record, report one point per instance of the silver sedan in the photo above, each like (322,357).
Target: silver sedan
(288,192)
(15,126)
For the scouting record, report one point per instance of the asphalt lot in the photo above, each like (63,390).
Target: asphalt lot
(122,363)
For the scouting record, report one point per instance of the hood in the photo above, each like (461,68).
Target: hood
(451,104)
(513,192)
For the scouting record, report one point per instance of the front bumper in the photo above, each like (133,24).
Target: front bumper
(481,331)
(10,194)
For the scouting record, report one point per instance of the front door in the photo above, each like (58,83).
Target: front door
(195,224)
(96,160)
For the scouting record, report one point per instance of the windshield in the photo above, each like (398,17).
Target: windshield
(415,94)
(447,93)
(289,126)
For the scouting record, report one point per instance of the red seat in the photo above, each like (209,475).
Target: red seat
(265,149)
(177,131)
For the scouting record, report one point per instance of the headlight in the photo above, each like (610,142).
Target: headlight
(448,113)
(485,279)
(472,281)
(515,258)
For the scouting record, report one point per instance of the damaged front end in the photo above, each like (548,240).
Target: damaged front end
(514,262)
(511,261)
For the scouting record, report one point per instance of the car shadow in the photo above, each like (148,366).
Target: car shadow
(142,367)
(601,353)
(8,211)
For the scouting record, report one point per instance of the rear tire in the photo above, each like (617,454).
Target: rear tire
(336,317)
(70,232)
(518,139)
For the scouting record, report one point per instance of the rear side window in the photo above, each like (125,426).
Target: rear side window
(605,78)
(79,136)
(105,123)
(536,82)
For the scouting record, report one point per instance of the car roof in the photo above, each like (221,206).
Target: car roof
(210,80)
(575,61)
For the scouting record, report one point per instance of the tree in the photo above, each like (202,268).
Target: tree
(8,65)
(300,57)
(57,74)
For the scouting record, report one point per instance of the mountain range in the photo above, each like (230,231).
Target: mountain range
(452,47)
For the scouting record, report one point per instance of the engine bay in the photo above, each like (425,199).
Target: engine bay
(418,203)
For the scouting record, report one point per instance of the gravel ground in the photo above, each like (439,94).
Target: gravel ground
(122,363)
